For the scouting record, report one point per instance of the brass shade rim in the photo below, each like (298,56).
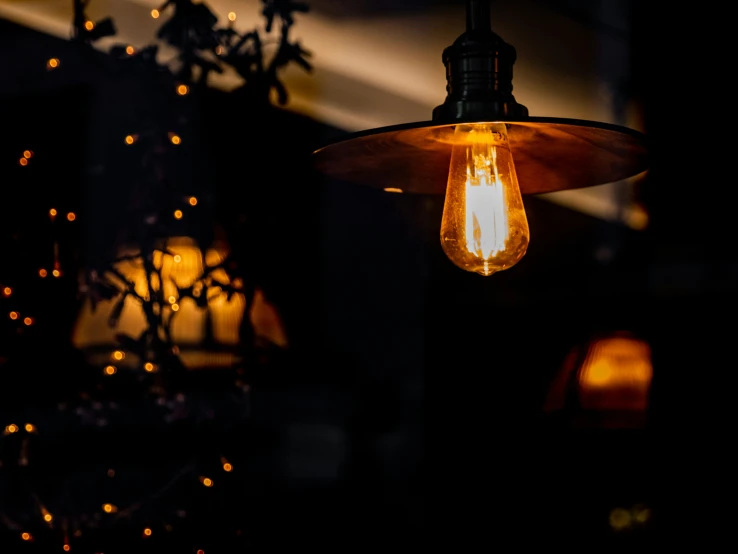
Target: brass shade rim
(550,154)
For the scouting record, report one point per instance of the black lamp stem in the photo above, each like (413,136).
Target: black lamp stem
(478,15)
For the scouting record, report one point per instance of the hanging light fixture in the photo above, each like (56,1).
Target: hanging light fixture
(482,150)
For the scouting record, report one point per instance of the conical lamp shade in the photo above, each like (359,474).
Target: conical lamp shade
(205,333)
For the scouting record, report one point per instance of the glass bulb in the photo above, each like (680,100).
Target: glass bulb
(484,228)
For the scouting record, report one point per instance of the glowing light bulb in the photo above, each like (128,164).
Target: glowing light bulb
(484,228)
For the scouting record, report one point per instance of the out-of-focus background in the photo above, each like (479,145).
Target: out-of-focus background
(207,347)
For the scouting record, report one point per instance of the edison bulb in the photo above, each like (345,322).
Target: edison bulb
(484,228)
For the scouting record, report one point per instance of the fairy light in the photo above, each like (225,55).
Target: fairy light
(29,427)
(147,532)
(177,258)
(155,14)
(52,213)
(227,467)
(111,473)
(175,139)
(10,429)
(23,161)
(28,321)
(53,63)
(232,16)
(48,518)
(200,551)
(130,50)
(177,214)
(110,370)
(71,216)
(118,355)
(26,536)
(206,481)
(66,547)
(13,315)
(7,291)
(28,154)
(89,25)
(130,139)
(175,307)
(42,273)
(148,366)
(109,508)
(193,201)
(183,90)
(56,273)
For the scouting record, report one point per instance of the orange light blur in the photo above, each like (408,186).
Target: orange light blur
(232,16)
(28,321)
(182,90)
(53,63)
(13,315)
(175,139)
(23,162)
(71,216)
(56,273)
(89,25)
(193,201)
(52,212)
(42,273)
(130,50)
(177,214)
(7,291)
(155,14)
(28,154)
(110,370)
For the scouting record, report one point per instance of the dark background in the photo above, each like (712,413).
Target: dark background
(385,331)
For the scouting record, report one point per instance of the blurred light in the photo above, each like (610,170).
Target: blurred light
(118,355)
(13,315)
(48,518)
(89,25)
(148,366)
(227,467)
(56,272)
(110,370)
(28,321)
(52,212)
(71,216)
(109,508)
(23,162)
(175,139)
(29,428)
(52,63)
(130,139)
(155,14)
(182,90)
(177,214)
(67,548)
(200,551)
(130,50)
(218,50)
(619,519)
(12,428)
(28,154)
(147,532)
(175,307)
(193,201)
(641,513)
(232,16)
(111,473)
(7,291)
(177,258)
(391,189)
(206,481)
(26,536)
(42,272)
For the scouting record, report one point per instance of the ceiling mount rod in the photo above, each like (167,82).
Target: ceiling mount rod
(478,15)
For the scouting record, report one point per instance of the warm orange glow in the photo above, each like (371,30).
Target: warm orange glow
(53,63)
(71,216)
(484,227)
(130,139)
(7,291)
(392,189)
(616,374)
(110,370)
(206,481)
(111,473)
(147,532)
(218,50)
(89,25)
(182,90)
(23,161)
(29,427)
(227,467)
(155,14)
(175,307)
(175,139)
(26,536)
(56,273)
(200,552)
(232,16)
(48,518)
(27,154)
(177,214)
(67,548)
(52,212)
(172,299)
(109,508)
(118,355)
(28,321)
(193,201)
(12,428)
(148,366)
(13,315)
(42,273)
(177,258)
(130,50)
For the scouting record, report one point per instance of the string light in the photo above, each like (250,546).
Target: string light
(23,162)
(26,536)
(109,508)
(28,154)
(56,273)
(206,481)
(42,273)
(177,214)
(28,321)
(89,25)
(148,366)
(175,307)
(147,532)
(13,315)
(118,355)
(232,16)
(130,139)
(48,518)
(53,63)
(193,201)
(10,429)
(29,427)
(130,50)
(175,139)
(66,547)
(71,216)
(52,213)
(182,90)
(227,467)
(155,14)
(177,258)
(110,370)
(7,291)
(200,551)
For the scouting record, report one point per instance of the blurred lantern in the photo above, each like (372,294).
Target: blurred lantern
(605,383)
(189,291)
